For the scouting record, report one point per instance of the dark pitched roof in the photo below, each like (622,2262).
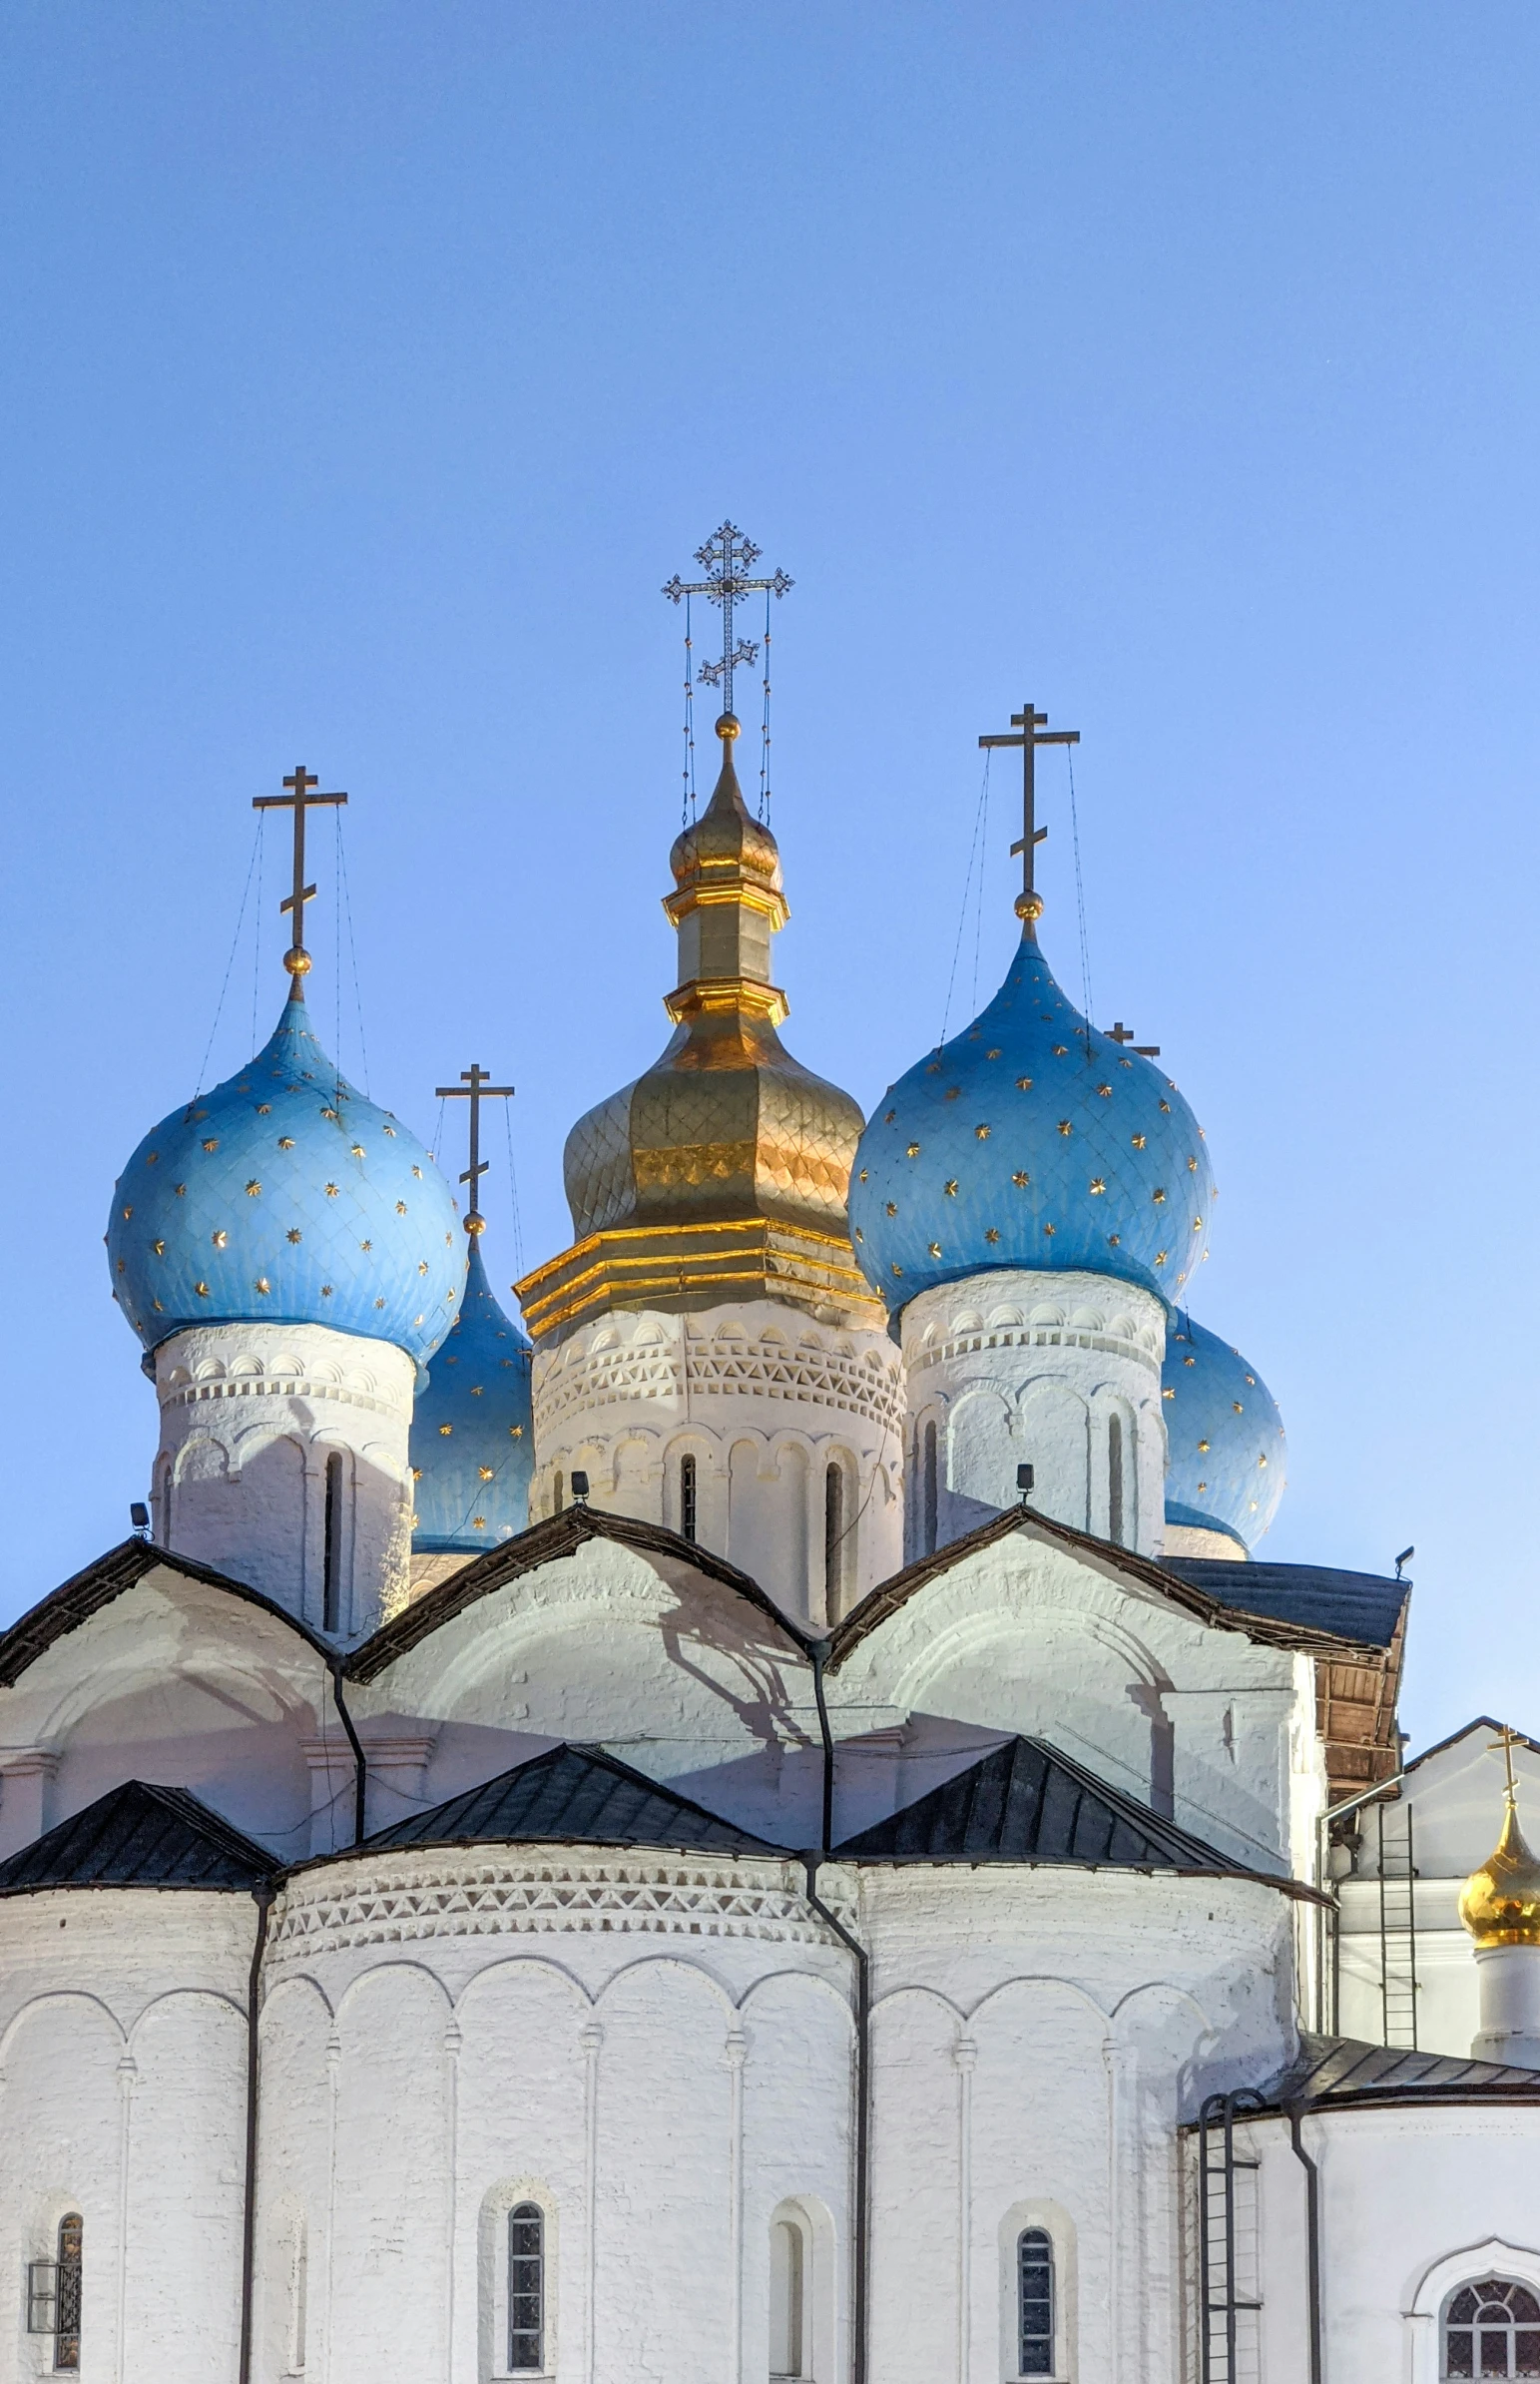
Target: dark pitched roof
(576,1795)
(85,1593)
(138,1835)
(1202,1602)
(1354,1605)
(1482,1721)
(1338,2073)
(544,1543)
(1024,1802)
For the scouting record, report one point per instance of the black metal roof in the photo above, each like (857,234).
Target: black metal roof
(1210,1599)
(544,1543)
(138,1835)
(85,1593)
(1339,2073)
(576,1795)
(1025,1802)
(1354,1605)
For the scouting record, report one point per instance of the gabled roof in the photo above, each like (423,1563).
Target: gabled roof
(138,1835)
(575,1795)
(1025,1802)
(1354,1605)
(1335,2072)
(1481,1721)
(545,1544)
(1201,1601)
(85,1593)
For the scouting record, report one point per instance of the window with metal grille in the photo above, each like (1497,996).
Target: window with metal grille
(53,2294)
(526,2289)
(1491,2329)
(1034,2300)
(929,1488)
(686,1497)
(332,1571)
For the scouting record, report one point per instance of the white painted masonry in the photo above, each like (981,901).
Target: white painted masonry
(763,1401)
(250,1417)
(1061,1372)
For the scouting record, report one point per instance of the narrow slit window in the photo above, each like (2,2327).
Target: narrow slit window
(1035,2300)
(526,2289)
(686,1497)
(1115,1479)
(788,2254)
(560,1498)
(67,2280)
(929,1487)
(833,1538)
(1492,2329)
(332,1566)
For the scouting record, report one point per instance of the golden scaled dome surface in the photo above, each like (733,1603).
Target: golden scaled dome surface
(1500,1902)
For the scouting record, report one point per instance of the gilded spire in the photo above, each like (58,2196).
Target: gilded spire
(1500,1902)
(726,904)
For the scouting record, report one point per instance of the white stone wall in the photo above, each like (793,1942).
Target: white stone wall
(1052,1370)
(250,1415)
(122,2046)
(1414,2202)
(766,1401)
(185,1685)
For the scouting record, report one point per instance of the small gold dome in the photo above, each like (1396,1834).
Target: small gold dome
(1500,1902)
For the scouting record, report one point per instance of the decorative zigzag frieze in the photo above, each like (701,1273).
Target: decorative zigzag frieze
(320,1915)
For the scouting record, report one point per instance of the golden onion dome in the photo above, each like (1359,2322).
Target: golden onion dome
(724,1171)
(1500,1902)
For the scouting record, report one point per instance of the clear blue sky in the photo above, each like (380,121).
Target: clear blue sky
(369,368)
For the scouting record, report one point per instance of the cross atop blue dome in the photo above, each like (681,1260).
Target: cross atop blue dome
(1030,1141)
(286,1196)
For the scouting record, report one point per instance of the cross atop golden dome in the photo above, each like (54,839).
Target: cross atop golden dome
(1500,1902)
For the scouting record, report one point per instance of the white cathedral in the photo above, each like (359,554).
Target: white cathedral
(772,1824)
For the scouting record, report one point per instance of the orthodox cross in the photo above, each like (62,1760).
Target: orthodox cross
(1504,1743)
(296,960)
(727,557)
(1034,733)
(475,1086)
(1118,1033)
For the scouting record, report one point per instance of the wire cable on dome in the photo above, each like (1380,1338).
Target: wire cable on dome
(353,950)
(974,855)
(1080,902)
(231,963)
(687,807)
(765,730)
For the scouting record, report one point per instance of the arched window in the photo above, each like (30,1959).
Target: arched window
(788,2299)
(53,2294)
(929,1486)
(686,1497)
(1492,2329)
(833,1538)
(1115,1479)
(331,1569)
(1035,2300)
(526,2289)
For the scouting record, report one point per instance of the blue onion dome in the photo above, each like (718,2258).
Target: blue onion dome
(285,1195)
(1033,1140)
(1225,1443)
(472,1444)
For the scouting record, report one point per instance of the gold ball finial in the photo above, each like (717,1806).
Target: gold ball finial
(1029,905)
(475,1222)
(1500,1902)
(728,727)
(297,960)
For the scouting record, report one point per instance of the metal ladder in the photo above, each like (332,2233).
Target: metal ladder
(1221,2303)
(1398,1933)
